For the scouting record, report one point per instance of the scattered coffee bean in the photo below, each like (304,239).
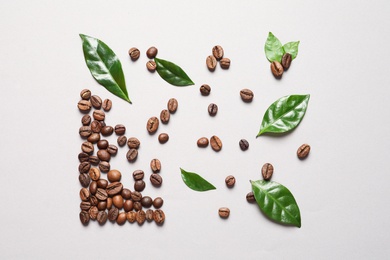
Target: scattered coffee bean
(267,170)
(107,130)
(117,200)
(84,167)
(152,125)
(164,116)
(94,160)
(94,201)
(102,217)
(84,106)
(151,66)
(109,203)
(122,140)
(163,138)
(211,62)
(205,90)
(85,205)
(246,95)
(230,181)
(155,165)
(303,151)
(99,115)
(136,196)
(250,197)
(85,94)
(156,179)
(128,205)
(215,143)
(132,155)
(217,52)
(212,109)
(244,144)
(114,175)
(172,105)
(149,215)
(138,175)
(126,194)
(83,157)
(96,126)
(114,188)
(101,194)
(93,212)
(96,101)
(159,216)
(93,187)
(87,147)
(134,53)
(151,52)
(102,183)
(203,142)
(277,69)
(120,129)
(94,138)
(112,149)
(102,205)
(137,206)
(85,131)
(146,201)
(113,214)
(225,63)
(158,202)
(131,216)
(121,219)
(104,166)
(133,143)
(104,155)
(107,105)
(86,120)
(84,194)
(139,185)
(286,61)
(84,217)
(102,144)
(94,174)
(140,217)
(224,212)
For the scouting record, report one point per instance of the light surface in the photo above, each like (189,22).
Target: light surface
(342,187)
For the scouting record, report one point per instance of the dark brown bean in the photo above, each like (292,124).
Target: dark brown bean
(225,63)
(151,66)
(205,90)
(117,200)
(114,175)
(244,144)
(107,105)
(158,202)
(85,131)
(84,194)
(156,179)
(149,215)
(120,129)
(94,160)
(137,206)
(303,151)
(104,155)
(230,181)
(113,214)
(212,109)
(84,106)
(146,201)
(94,201)
(159,216)
(85,94)
(93,212)
(84,180)
(109,203)
(224,212)
(96,101)
(99,115)
(86,120)
(104,166)
(112,149)
(217,52)
(121,219)
(128,205)
(134,53)
(155,165)
(107,130)
(83,157)
(87,147)
(102,217)
(216,143)
(211,62)
(133,143)
(94,138)
(164,116)
(126,194)
(102,205)
(267,170)
(140,217)
(93,187)
(277,69)
(131,216)
(138,175)
(136,196)
(246,95)
(114,188)
(163,138)
(101,194)
(132,155)
(102,144)
(96,126)
(139,185)
(121,140)
(172,105)
(84,217)
(151,52)
(85,205)
(84,167)
(203,142)
(250,197)
(152,125)
(286,61)
(94,174)
(102,183)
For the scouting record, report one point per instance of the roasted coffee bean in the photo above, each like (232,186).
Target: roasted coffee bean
(136,196)
(146,201)
(225,63)
(84,194)
(277,69)
(132,155)
(158,202)
(155,165)
(303,151)
(94,160)
(83,157)
(103,123)
(102,205)
(137,206)
(121,219)
(109,203)
(156,180)
(99,115)
(93,187)
(96,101)
(94,174)
(122,140)
(128,205)
(217,52)
(246,95)
(211,62)
(149,215)
(250,197)
(172,105)
(102,183)
(84,180)
(94,138)
(164,116)
(131,216)
(152,125)
(139,185)
(163,138)
(244,145)
(224,212)
(93,212)
(134,53)
(215,143)
(104,166)
(213,109)
(133,143)
(114,175)
(140,217)
(112,149)
(94,201)
(267,170)
(120,129)
(102,144)
(126,194)
(286,61)
(113,214)
(84,217)
(104,155)
(84,106)
(114,188)
(205,90)
(203,142)
(85,131)
(151,52)
(138,175)
(86,120)
(101,194)
(96,126)
(85,94)
(117,200)
(159,216)
(151,66)
(107,105)
(102,217)
(107,130)
(85,205)
(84,167)
(87,147)
(230,181)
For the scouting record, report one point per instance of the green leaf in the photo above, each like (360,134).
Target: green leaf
(277,202)
(172,73)
(292,48)
(273,48)
(104,66)
(195,181)
(284,114)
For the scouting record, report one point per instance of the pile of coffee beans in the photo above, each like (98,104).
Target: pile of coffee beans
(217,56)
(278,68)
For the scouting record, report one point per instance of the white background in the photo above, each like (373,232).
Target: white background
(342,188)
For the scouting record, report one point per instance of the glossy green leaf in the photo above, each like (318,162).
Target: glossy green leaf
(284,114)
(104,66)
(277,202)
(292,48)
(172,73)
(273,48)
(195,181)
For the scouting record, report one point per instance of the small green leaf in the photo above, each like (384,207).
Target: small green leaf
(277,202)
(172,73)
(284,114)
(292,48)
(104,66)
(195,181)
(273,48)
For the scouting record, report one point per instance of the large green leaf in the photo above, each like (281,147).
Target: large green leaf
(292,48)
(172,73)
(104,66)
(277,202)
(273,48)
(284,114)
(195,181)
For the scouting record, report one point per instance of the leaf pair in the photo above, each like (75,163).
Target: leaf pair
(274,49)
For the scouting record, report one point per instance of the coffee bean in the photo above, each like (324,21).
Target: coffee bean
(126,194)
(93,187)
(136,196)
(114,188)
(225,63)
(138,175)
(101,194)
(137,206)
(109,203)
(94,201)
(121,219)
(132,155)
(104,155)
(163,138)
(146,201)
(151,66)
(84,180)
(94,174)
(84,217)
(152,125)
(156,180)
(84,106)
(224,212)
(86,120)
(93,212)
(149,215)
(117,200)
(112,149)
(102,183)
(172,105)
(286,61)
(159,216)
(131,216)
(122,140)
(120,129)
(94,138)
(155,165)
(230,181)
(104,166)
(128,205)
(83,157)
(151,52)
(107,130)
(85,205)
(250,197)
(244,145)
(215,143)
(113,214)
(139,185)
(267,170)
(94,160)
(107,105)
(213,109)
(84,167)
(102,205)
(87,147)
(96,102)
(103,123)
(303,151)
(140,217)
(246,95)
(102,144)
(211,62)
(96,126)
(99,115)
(217,52)
(134,53)
(102,217)
(277,69)
(85,94)
(203,142)
(84,194)
(85,131)
(114,175)
(133,143)
(158,202)
(205,90)
(164,116)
